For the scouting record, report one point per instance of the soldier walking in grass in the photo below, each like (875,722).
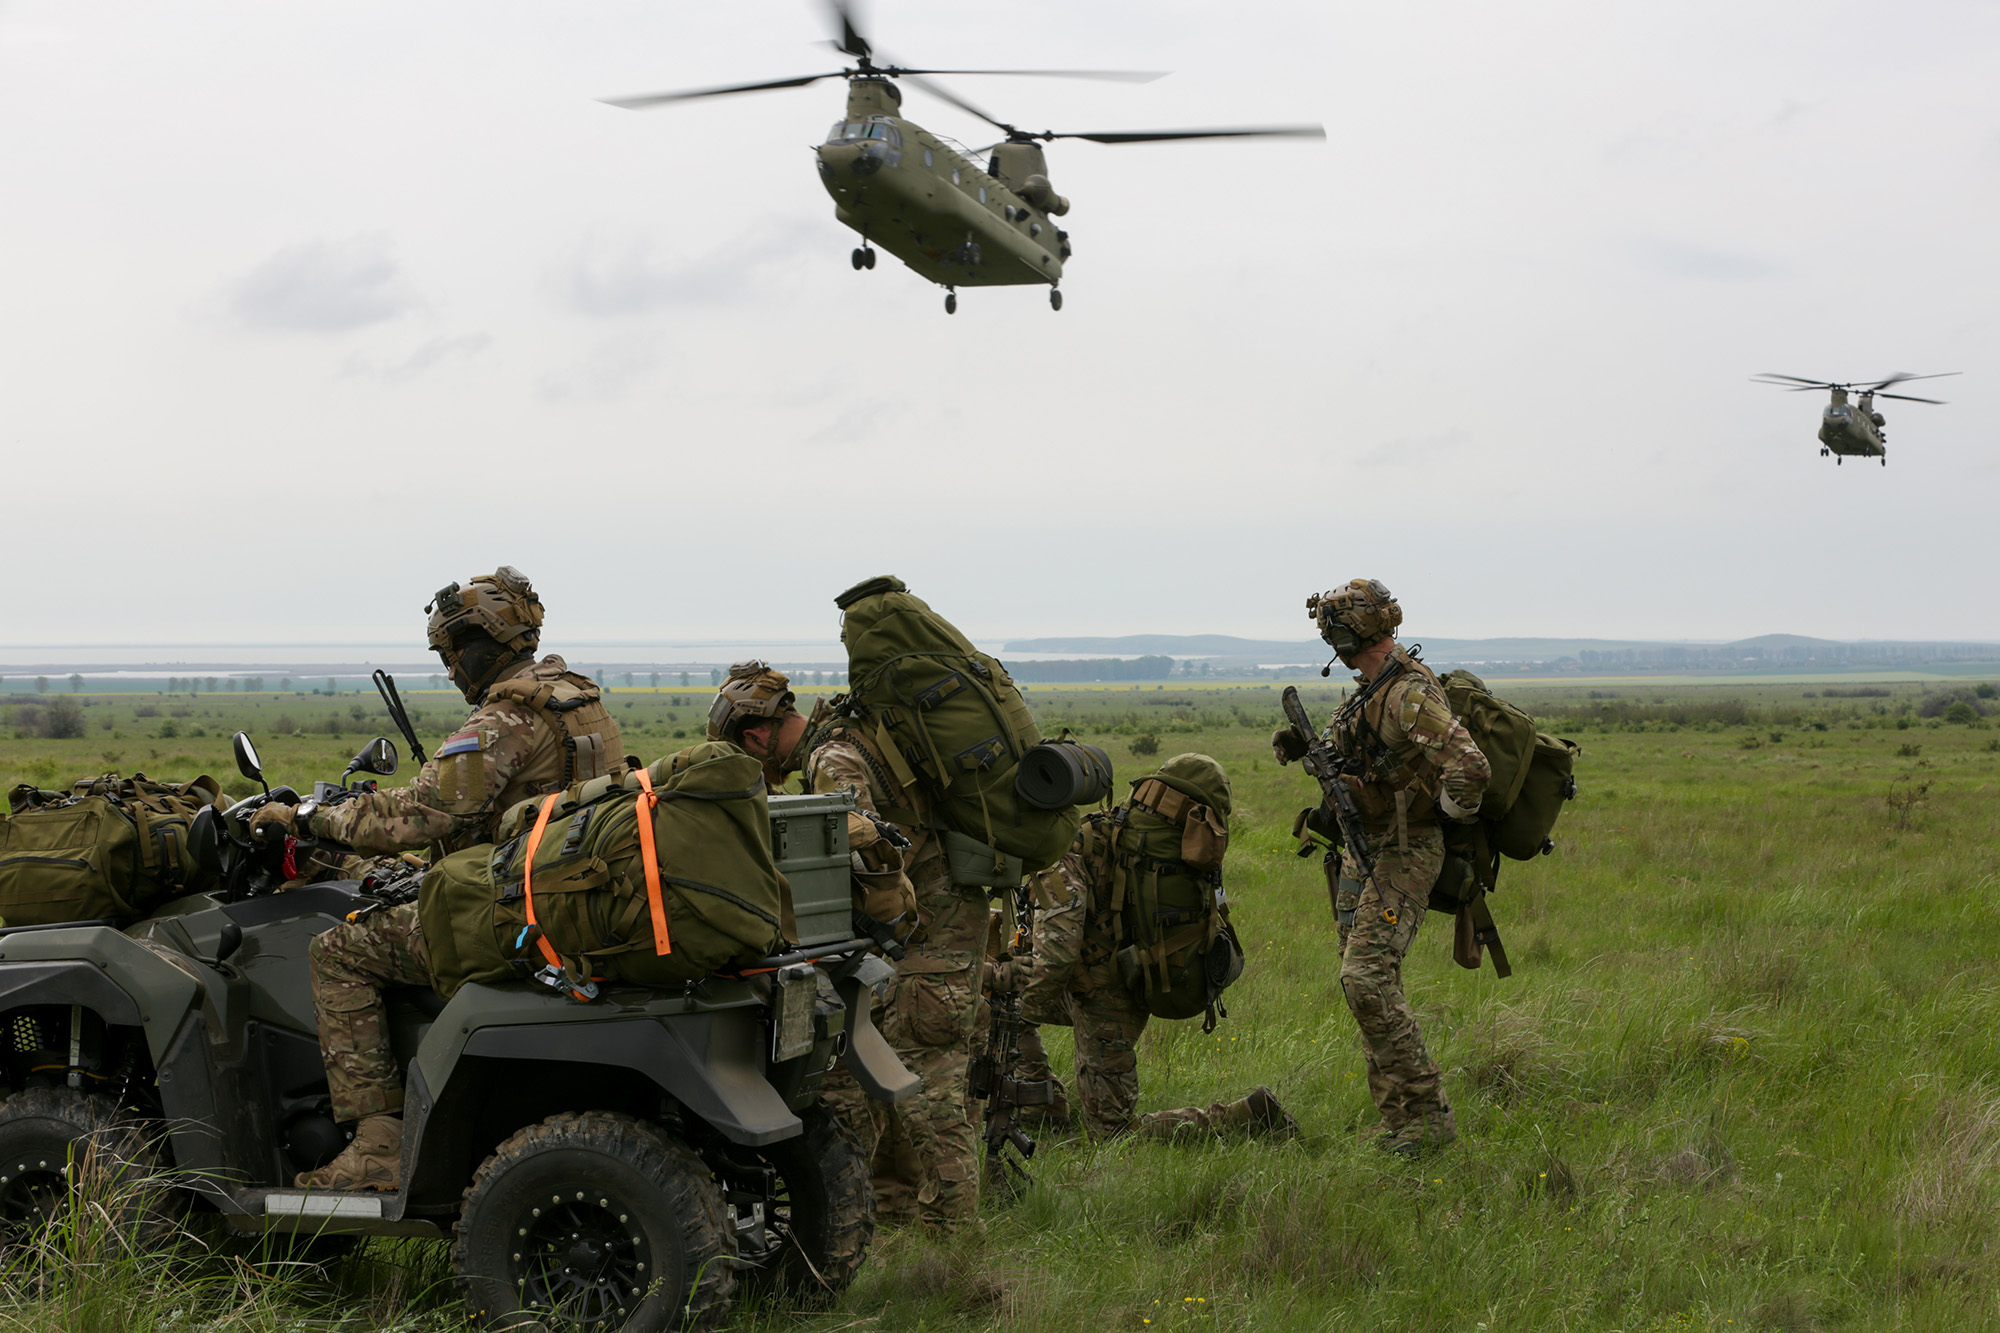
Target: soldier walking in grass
(1417,765)
(536,727)
(1073,978)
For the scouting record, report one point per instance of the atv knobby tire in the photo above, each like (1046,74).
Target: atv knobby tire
(824,1215)
(594,1221)
(60,1147)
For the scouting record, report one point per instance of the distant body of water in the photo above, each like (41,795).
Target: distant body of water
(343,662)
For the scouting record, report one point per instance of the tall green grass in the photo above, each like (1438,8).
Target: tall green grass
(1746,1077)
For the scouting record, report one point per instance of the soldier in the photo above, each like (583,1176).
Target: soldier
(1073,981)
(536,727)
(1418,765)
(755,709)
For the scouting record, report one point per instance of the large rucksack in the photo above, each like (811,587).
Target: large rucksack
(1533,777)
(109,848)
(1156,861)
(950,723)
(654,878)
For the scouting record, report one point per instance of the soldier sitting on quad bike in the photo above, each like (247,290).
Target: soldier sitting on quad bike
(536,727)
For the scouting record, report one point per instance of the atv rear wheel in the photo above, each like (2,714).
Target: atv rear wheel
(60,1147)
(821,1217)
(596,1221)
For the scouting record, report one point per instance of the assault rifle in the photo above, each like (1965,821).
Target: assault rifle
(1326,764)
(991,1077)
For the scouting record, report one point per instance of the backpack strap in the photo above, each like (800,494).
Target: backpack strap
(662,946)
(557,974)
(1162,800)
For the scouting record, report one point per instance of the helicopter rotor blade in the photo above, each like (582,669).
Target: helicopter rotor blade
(643,100)
(1157,136)
(1904,376)
(1767,377)
(1907,398)
(1109,75)
(945,94)
(851,41)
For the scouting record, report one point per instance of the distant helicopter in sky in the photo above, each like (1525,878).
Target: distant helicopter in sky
(950,217)
(1848,430)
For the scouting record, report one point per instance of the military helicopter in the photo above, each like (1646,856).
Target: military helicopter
(928,201)
(1848,430)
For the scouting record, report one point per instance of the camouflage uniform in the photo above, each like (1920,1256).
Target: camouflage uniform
(507,751)
(1415,752)
(1074,982)
(926,1150)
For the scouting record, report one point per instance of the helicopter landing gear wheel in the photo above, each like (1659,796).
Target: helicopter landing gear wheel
(859,259)
(1838,461)
(1055,299)
(951,303)
(868,257)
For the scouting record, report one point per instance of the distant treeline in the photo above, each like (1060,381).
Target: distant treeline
(1795,656)
(1082,669)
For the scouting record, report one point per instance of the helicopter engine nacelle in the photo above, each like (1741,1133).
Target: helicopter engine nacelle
(1037,191)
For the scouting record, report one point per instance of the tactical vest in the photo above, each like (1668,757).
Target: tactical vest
(585,741)
(1398,786)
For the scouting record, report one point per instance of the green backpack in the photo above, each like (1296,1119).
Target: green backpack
(1158,861)
(715,898)
(107,849)
(950,723)
(1533,777)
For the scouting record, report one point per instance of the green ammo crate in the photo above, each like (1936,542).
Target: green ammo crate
(809,842)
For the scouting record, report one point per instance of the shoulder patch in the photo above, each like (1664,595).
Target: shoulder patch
(462,743)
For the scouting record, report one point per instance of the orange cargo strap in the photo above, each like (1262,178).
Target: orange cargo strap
(528,880)
(662,946)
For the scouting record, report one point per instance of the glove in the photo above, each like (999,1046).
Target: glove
(273,821)
(1455,812)
(1287,746)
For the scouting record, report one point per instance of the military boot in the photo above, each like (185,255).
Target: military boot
(1267,1118)
(1431,1130)
(373,1161)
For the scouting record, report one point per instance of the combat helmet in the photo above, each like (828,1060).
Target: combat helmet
(1355,615)
(480,628)
(753,690)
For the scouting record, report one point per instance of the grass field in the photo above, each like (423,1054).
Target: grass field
(1746,1075)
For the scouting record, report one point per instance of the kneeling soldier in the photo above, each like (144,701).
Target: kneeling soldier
(1073,980)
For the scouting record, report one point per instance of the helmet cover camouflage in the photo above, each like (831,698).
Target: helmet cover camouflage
(754,690)
(1355,615)
(501,605)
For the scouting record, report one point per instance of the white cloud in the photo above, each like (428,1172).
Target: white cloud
(322,286)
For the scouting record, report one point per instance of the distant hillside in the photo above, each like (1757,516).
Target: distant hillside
(1764,652)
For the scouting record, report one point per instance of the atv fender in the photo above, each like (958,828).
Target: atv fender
(711,1063)
(103,970)
(869,1057)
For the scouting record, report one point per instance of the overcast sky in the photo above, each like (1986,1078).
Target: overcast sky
(312,307)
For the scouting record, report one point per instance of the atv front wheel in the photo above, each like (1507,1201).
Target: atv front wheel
(820,1216)
(599,1220)
(60,1148)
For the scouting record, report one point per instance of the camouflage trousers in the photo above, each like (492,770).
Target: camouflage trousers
(1405,1082)
(925,1151)
(350,966)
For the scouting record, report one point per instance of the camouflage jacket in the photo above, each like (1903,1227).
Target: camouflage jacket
(842,762)
(1410,749)
(506,751)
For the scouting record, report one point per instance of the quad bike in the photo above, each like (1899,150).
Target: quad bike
(619,1164)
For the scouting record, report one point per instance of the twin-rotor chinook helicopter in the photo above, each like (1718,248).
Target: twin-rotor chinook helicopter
(1848,430)
(933,205)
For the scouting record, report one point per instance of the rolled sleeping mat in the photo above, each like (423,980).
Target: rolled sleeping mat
(1058,774)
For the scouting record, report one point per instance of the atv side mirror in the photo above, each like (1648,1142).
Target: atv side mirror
(246,760)
(378,756)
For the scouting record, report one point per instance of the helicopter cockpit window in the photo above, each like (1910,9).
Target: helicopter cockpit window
(851,131)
